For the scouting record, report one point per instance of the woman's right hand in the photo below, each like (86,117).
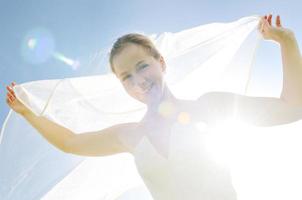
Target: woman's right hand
(13,101)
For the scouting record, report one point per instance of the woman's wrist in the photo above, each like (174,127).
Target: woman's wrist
(286,38)
(26,112)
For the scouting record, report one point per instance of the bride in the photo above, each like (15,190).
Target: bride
(168,157)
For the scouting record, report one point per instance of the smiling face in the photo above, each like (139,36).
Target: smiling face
(140,73)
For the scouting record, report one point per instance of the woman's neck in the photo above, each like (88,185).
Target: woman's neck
(167,99)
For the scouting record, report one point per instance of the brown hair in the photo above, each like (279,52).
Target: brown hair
(133,38)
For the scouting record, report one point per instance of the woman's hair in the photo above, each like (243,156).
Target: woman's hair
(133,38)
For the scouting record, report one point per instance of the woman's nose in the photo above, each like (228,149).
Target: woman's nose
(140,81)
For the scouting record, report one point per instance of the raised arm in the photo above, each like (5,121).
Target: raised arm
(103,142)
(54,133)
(112,140)
(291,58)
(258,111)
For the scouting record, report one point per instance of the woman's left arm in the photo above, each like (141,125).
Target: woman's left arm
(291,58)
(217,106)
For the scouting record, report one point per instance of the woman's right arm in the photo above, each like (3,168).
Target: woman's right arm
(54,133)
(103,142)
(107,141)
(112,140)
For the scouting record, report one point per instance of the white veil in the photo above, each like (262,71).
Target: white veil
(216,56)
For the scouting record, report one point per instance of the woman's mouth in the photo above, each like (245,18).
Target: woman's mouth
(148,89)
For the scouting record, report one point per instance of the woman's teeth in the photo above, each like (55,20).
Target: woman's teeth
(147,90)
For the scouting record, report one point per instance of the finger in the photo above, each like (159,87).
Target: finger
(278,21)
(8,101)
(11,96)
(270,19)
(11,99)
(265,24)
(260,23)
(267,21)
(13,84)
(261,20)
(10,90)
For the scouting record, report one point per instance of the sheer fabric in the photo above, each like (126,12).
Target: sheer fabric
(211,57)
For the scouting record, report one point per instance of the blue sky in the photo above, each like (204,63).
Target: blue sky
(79,29)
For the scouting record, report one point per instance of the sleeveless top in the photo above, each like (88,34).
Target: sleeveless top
(188,173)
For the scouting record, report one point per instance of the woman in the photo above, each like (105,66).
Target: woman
(172,170)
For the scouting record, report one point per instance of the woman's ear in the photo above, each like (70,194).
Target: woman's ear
(163,64)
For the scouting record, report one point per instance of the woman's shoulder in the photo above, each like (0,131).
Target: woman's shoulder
(131,135)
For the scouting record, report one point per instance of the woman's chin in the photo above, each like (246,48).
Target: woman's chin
(150,97)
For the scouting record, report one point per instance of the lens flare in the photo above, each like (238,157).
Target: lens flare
(184,118)
(38,46)
(166,109)
(32,43)
(73,63)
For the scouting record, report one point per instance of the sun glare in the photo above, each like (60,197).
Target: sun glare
(223,140)
(262,159)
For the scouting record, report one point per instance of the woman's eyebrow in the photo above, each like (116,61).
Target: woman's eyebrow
(123,73)
(138,63)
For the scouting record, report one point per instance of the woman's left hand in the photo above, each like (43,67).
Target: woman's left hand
(276,33)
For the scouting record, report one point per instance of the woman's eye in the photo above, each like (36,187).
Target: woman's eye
(143,66)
